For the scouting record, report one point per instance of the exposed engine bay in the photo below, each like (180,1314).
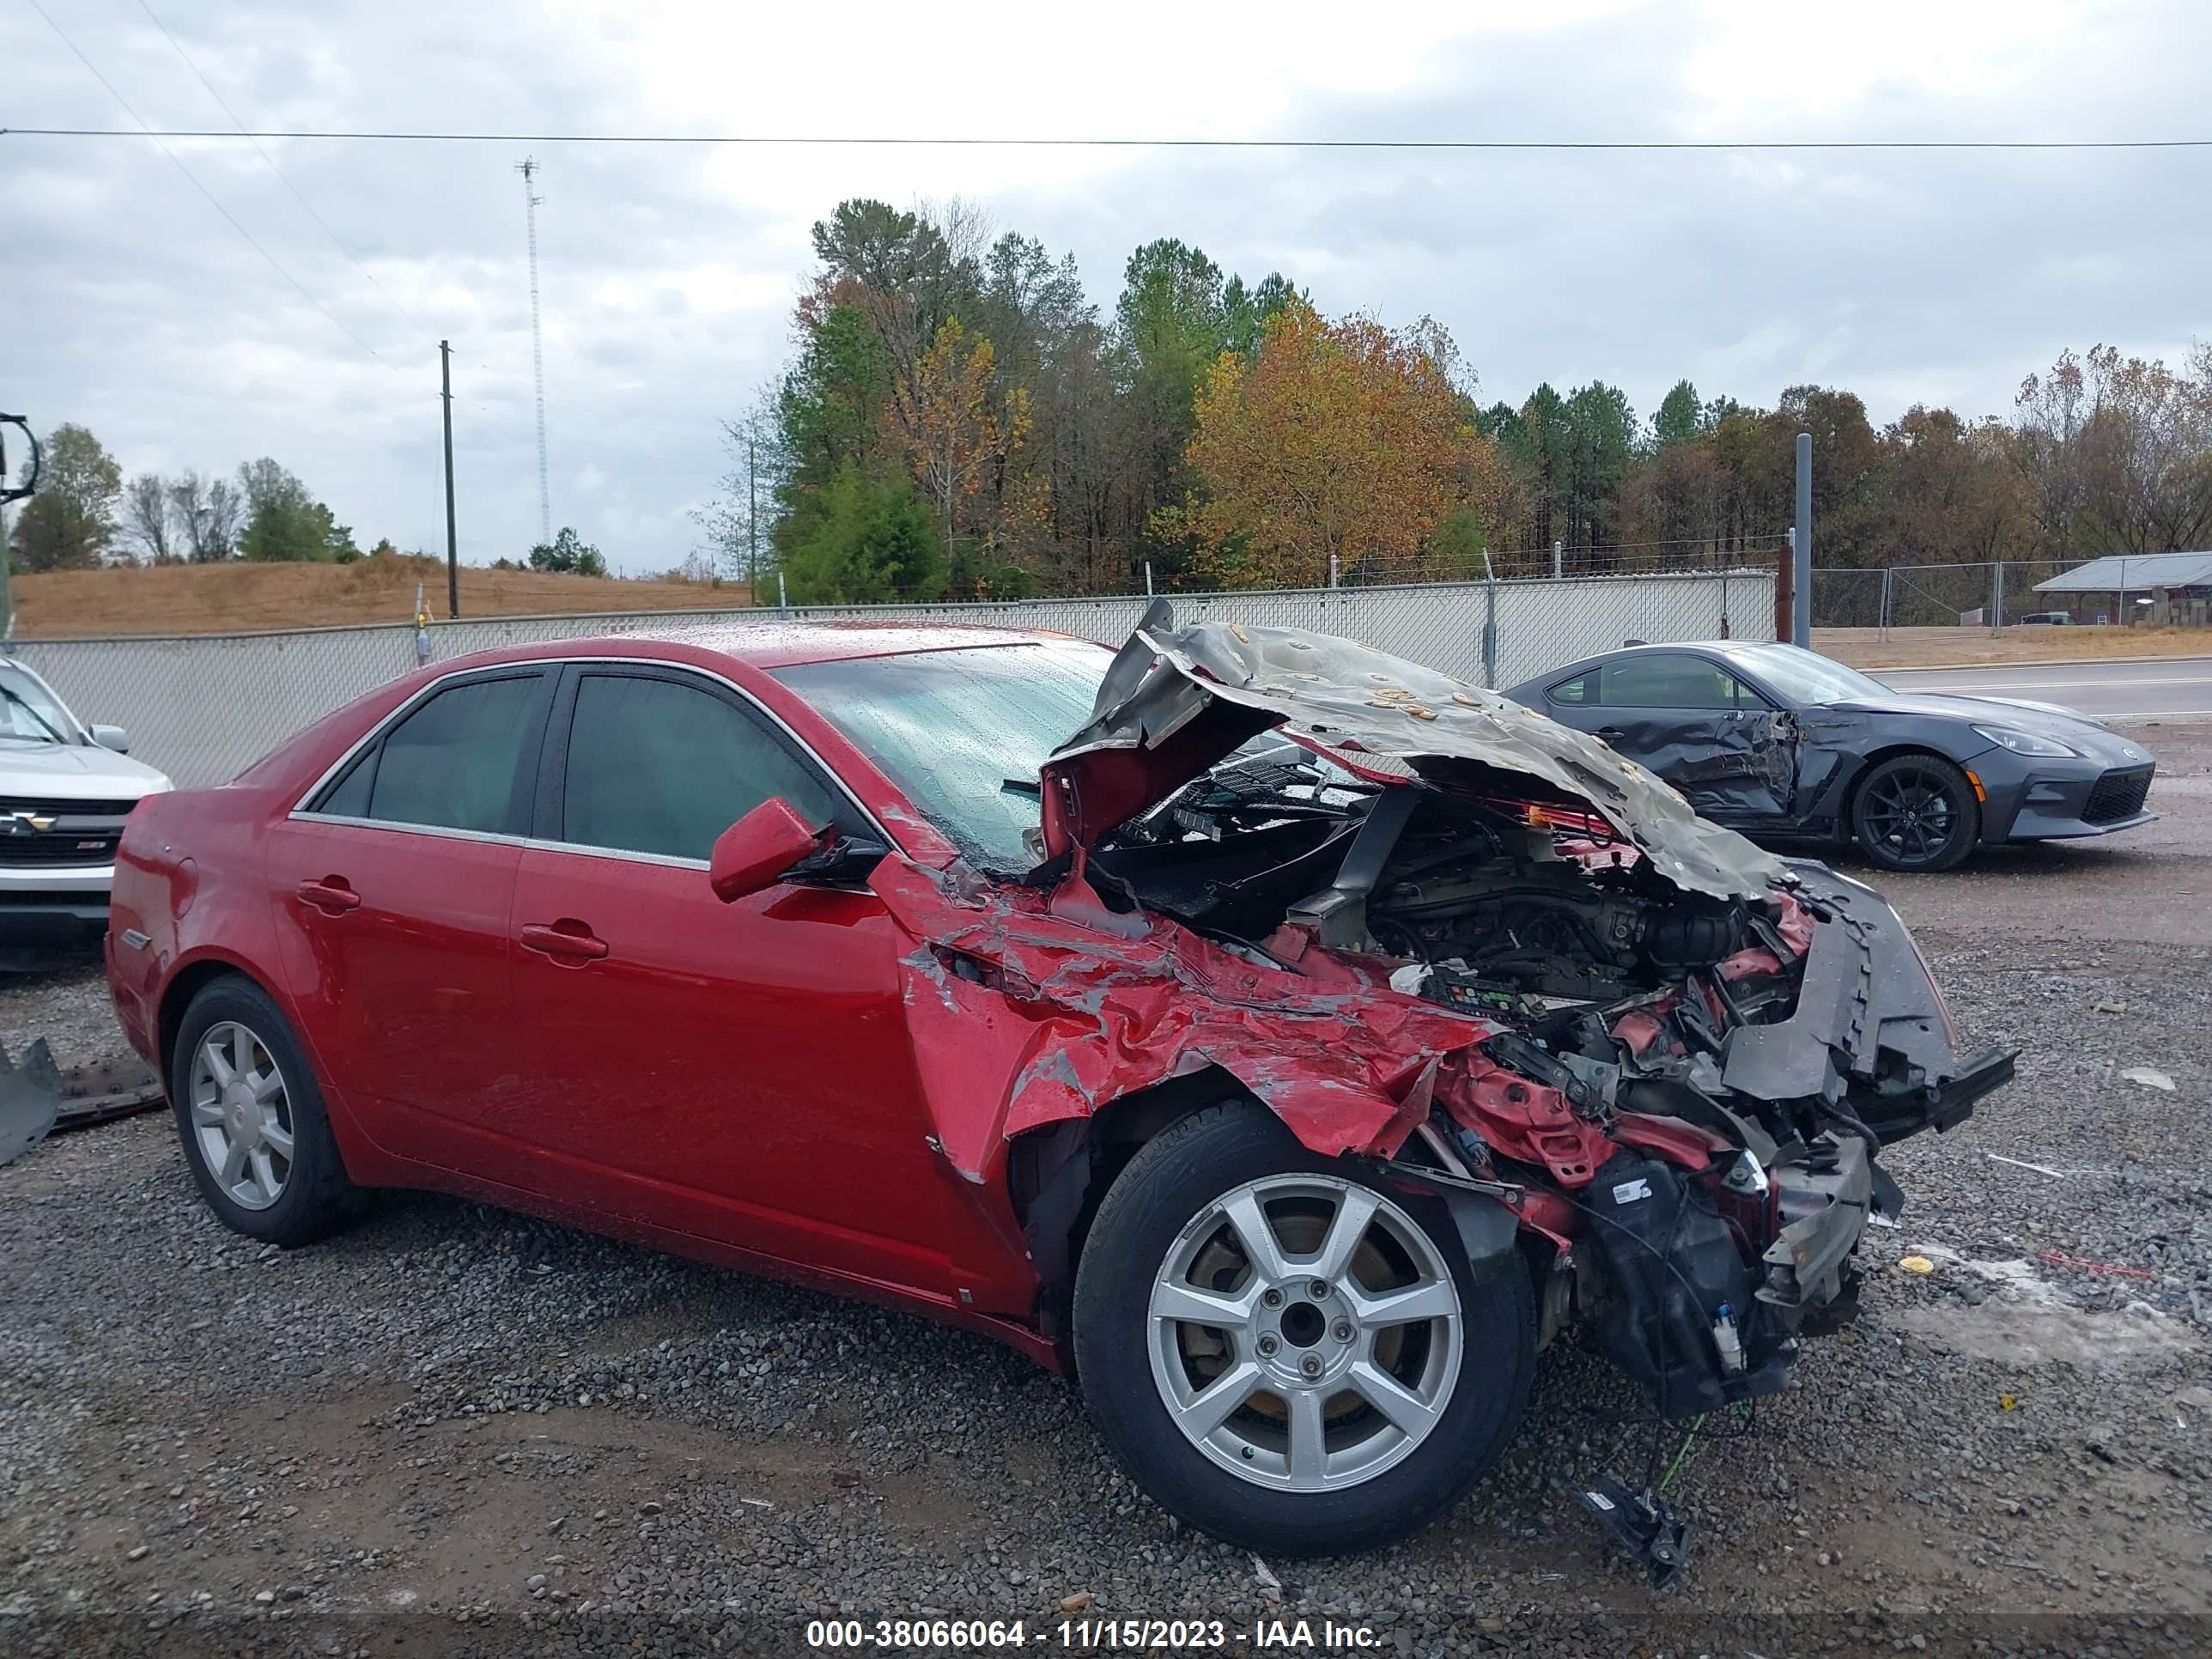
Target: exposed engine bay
(1683,1094)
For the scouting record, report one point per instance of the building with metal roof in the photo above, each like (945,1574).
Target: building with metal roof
(2162,589)
(2134,573)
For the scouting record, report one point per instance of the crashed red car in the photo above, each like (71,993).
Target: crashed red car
(1288,1040)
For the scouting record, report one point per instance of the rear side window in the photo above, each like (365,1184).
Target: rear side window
(659,766)
(449,765)
(1576,691)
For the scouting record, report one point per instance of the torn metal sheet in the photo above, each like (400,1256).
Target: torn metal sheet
(37,1098)
(102,1093)
(1724,763)
(30,1099)
(1176,700)
(1000,986)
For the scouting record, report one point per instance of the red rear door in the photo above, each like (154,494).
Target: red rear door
(393,888)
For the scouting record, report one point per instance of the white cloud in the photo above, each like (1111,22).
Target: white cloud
(668,273)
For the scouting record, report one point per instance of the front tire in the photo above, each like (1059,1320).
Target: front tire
(250,1117)
(1285,1356)
(1916,812)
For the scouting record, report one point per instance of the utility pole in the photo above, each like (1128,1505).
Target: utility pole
(528,168)
(752,528)
(452,551)
(1801,619)
(13,493)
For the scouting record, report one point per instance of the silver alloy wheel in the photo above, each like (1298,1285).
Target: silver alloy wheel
(1305,1334)
(241,1116)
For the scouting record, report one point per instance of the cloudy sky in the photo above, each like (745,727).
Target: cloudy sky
(128,303)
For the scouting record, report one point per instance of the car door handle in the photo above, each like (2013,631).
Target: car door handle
(1609,732)
(330,894)
(565,937)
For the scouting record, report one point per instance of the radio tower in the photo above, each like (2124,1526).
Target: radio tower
(528,168)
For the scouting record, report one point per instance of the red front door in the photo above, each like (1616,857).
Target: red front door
(736,1071)
(740,1071)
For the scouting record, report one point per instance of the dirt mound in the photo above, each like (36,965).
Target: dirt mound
(223,598)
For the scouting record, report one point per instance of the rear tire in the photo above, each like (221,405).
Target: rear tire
(251,1115)
(1916,813)
(1295,1469)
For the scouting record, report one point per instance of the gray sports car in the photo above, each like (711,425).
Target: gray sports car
(1774,740)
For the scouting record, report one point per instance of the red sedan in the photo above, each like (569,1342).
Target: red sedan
(1292,1090)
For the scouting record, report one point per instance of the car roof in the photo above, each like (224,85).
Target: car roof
(1735,650)
(772,643)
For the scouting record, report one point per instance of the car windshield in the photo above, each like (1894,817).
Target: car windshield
(1806,676)
(963,733)
(31,713)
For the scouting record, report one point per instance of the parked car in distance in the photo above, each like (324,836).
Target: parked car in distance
(65,789)
(1778,741)
(1291,1096)
(2048,618)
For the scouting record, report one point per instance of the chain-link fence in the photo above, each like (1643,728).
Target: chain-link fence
(1992,595)
(202,708)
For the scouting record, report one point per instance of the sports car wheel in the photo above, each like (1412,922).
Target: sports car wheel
(1916,812)
(1285,1356)
(252,1118)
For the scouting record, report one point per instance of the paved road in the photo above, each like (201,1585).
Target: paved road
(2153,689)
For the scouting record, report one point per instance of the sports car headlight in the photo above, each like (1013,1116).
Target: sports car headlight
(2028,743)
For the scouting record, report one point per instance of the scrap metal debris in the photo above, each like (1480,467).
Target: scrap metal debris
(2149,1076)
(102,1093)
(1643,1525)
(38,1097)
(30,1099)
(2111,1269)
(2022,1163)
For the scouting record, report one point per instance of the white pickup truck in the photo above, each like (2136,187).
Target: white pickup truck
(65,789)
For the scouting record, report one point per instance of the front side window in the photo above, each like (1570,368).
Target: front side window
(1806,676)
(662,767)
(1670,682)
(449,765)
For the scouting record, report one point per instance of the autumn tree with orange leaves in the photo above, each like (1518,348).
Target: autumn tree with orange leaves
(960,420)
(1336,440)
(964,445)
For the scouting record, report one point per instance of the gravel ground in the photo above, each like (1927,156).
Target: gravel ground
(454,1431)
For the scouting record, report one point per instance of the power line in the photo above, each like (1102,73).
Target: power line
(820,140)
(411,319)
(146,131)
(229,217)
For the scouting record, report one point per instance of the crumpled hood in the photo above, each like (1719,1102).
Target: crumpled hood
(1175,701)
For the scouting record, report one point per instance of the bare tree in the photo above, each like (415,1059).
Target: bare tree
(2119,451)
(206,518)
(739,520)
(149,518)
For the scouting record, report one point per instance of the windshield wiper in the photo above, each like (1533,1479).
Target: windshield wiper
(18,700)
(1029,787)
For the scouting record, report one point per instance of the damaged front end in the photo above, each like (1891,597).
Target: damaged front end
(1482,952)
